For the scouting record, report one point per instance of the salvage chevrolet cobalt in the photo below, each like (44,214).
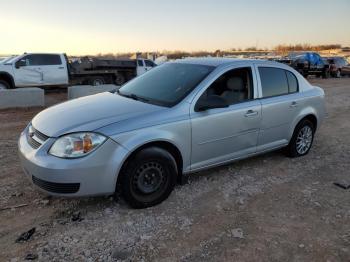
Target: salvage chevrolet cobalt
(176,119)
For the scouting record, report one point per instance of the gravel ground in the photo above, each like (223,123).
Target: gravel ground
(266,208)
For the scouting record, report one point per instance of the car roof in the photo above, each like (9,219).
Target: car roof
(219,61)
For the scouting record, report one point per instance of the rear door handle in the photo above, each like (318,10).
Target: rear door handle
(251,113)
(293,104)
(61,67)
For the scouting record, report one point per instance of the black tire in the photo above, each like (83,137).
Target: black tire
(4,84)
(148,177)
(97,81)
(292,148)
(119,79)
(326,74)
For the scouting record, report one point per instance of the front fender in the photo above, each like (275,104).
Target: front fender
(178,134)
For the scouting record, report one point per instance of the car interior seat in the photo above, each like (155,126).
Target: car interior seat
(236,90)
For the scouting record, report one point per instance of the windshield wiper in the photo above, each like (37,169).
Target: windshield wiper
(133,96)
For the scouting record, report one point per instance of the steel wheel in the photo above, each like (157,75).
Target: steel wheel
(97,82)
(149,178)
(304,140)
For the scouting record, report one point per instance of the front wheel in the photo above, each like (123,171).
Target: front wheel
(4,85)
(148,178)
(302,139)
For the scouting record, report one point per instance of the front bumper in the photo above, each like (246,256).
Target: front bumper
(94,174)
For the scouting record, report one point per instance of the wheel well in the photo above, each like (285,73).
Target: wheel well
(312,119)
(172,149)
(8,78)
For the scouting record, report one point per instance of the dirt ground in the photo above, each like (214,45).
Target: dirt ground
(266,208)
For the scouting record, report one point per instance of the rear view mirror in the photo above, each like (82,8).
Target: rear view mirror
(212,101)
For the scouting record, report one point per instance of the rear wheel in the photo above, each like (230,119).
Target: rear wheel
(148,177)
(326,74)
(338,74)
(4,85)
(302,139)
(97,81)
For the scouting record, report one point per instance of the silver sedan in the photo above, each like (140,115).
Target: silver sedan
(178,118)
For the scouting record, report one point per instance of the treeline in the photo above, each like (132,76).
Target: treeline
(233,51)
(305,47)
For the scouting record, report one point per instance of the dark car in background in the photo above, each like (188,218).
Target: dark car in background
(310,63)
(338,66)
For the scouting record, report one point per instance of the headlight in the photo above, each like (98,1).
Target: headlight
(76,145)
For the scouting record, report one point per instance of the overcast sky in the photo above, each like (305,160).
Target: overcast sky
(101,26)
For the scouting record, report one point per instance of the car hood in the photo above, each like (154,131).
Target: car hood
(89,113)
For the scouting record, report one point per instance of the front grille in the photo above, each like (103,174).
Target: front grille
(33,143)
(40,135)
(61,188)
(35,138)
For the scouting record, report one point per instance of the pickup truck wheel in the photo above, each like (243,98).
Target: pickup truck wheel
(338,74)
(326,74)
(148,178)
(119,79)
(97,81)
(4,85)
(302,139)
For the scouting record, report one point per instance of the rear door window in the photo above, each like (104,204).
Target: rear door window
(273,81)
(50,60)
(38,60)
(277,81)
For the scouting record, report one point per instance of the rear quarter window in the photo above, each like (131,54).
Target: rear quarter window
(292,82)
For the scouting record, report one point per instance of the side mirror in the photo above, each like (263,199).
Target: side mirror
(212,101)
(20,63)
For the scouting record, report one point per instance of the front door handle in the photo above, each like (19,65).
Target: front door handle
(251,113)
(293,104)
(61,67)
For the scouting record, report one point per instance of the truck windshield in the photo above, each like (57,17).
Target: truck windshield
(6,59)
(166,85)
(9,60)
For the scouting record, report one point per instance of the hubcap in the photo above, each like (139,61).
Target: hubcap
(149,177)
(304,140)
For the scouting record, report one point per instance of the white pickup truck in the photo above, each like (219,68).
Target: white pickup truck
(38,69)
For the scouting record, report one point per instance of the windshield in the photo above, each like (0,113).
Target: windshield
(166,85)
(5,59)
(9,60)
